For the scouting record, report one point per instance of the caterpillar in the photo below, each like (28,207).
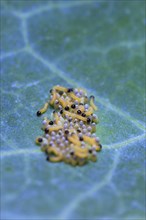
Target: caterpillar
(69,136)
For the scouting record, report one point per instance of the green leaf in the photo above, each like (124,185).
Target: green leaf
(95,45)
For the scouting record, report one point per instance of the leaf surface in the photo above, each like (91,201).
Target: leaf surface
(95,45)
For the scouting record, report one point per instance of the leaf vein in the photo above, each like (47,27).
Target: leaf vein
(71,81)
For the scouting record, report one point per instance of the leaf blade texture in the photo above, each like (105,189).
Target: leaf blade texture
(95,45)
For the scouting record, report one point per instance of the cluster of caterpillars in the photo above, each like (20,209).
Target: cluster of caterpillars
(69,135)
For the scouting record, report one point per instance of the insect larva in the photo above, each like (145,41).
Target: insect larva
(68,134)
(74,141)
(74,97)
(57,156)
(54,128)
(92,103)
(60,88)
(43,110)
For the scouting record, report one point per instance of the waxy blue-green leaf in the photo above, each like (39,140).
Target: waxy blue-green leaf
(95,45)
